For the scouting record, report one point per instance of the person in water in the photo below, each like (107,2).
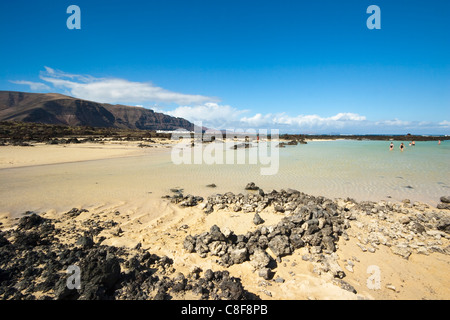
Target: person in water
(391,147)
(413,143)
(402,146)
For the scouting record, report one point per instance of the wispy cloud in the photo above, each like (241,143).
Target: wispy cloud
(61,74)
(394,122)
(112,90)
(35,86)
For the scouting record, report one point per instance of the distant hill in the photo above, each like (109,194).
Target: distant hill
(53,108)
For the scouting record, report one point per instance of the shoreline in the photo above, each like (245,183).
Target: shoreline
(14,157)
(24,133)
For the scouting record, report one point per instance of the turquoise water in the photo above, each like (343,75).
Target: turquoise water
(363,170)
(368,170)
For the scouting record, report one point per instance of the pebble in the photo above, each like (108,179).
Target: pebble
(390,287)
(116,231)
(405,220)
(267,293)
(265,273)
(422,250)
(263,283)
(279,280)
(401,250)
(363,248)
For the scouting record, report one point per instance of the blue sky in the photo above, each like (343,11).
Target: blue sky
(297,66)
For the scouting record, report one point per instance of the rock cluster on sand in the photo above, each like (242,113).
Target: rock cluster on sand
(33,264)
(287,201)
(313,221)
(182,200)
(445,203)
(251,186)
(317,223)
(403,227)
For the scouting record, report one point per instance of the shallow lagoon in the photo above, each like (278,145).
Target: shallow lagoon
(363,170)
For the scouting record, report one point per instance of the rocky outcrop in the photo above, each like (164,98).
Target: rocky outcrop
(33,265)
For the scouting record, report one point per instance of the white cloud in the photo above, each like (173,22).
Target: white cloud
(35,86)
(114,90)
(258,120)
(348,117)
(211,114)
(218,116)
(395,122)
(308,121)
(341,122)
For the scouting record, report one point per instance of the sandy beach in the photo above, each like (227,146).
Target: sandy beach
(45,154)
(407,242)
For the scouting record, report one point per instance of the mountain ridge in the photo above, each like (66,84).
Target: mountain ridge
(55,108)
